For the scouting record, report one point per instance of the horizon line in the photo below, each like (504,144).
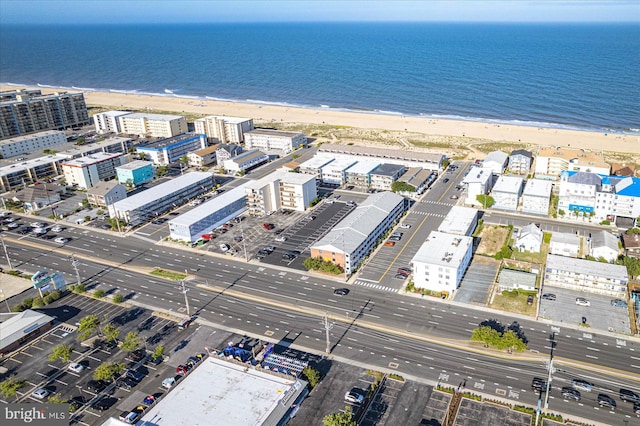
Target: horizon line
(75,23)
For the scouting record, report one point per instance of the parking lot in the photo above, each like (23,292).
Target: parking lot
(477,281)
(600,315)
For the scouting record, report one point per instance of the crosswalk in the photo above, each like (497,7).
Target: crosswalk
(428,213)
(436,202)
(375,286)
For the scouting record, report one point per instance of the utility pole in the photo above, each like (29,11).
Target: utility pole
(244,244)
(6,253)
(548,386)
(184,291)
(5,300)
(327,326)
(75,263)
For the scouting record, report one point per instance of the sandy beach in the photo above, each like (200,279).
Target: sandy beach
(531,136)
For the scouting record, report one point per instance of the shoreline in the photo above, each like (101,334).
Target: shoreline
(489,130)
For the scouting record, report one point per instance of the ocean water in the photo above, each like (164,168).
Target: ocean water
(565,75)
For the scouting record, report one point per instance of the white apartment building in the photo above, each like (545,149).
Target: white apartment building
(203,157)
(385,175)
(564,244)
(170,150)
(280,190)
(586,275)
(520,161)
(274,140)
(577,192)
(335,173)
(155,125)
(27,144)
(223,129)
(478,182)
(552,161)
(314,165)
(441,262)
(107,122)
(460,221)
(245,161)
(536,196)
(86,172)
(496,161)
(360,173)
(408,159)
(506,192)
(112,144)
(18,175)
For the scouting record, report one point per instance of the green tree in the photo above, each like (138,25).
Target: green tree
(398,186)
(131,342)
(510,340)
(99,294)
(129,183)
(142,156)
(344,418)
(118,298)
(38,302)
(88,326)
(311,375)
(162,170)
(158,352)
(184,159)
(486,335)
(108,370)
(80,141)
(62,353)
(85,203)
(445,163)
(10,386)
(485,200)
(111,333)
(56,398)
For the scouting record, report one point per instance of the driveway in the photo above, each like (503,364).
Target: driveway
(477,281)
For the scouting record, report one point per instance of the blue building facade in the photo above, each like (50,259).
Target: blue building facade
(135,173)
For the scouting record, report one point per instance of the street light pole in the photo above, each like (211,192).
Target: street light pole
(75,263)
(244,244)
(327,326)
(553,345)
(184,291)
(6,253)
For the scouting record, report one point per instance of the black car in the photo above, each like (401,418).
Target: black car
(97,385)
(288,256)
(539,384)
(549,296)
(570,393)
(127,383)
(104,403)
(606,401)
(135,375)
(278,231)
(24,230)
(445,180)
(630,396)
(138,354)
(341,291)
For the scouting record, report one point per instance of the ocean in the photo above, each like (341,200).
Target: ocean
(584,76)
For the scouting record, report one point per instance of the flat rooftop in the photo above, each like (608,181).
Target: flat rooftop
(216,203)
(477,175)
(382,153)
(579,155)
(164,143)
(231,120)
(363,167)
(340,164)
(590,268)
(317,162)
(282,175)
(443,249)
(32,136)
(537,188)
(274,133)
(155,117)
(224,393)
(508,184)
(94,158)
(136,164)
(387,169)
(29,164)
(458,220)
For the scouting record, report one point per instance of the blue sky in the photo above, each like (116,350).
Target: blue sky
(200,11)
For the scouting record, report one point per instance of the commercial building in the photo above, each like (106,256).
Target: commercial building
(27,172)
(335,173)
(107,122)
(551,161)
(18,145)
(314,165)
(169,150)
(268,140)
(226,152)
(22,327)
(536,196)
(86,172)
(520,161)
(385,175)
(245,161)
(441,261)
(29,111)
(459,221)
(529,239)
(586,275)
(360,173)
(223,129)
(135,173)
(201,220)
(506,192)
(509,280)
(109,145)
(477,182)
(153,202)
(281,190)
(226,392)
(353,238)
(496,161)
(564,244)
(154,125)
(408,159)
(604,245)
(203,157)
(106,193)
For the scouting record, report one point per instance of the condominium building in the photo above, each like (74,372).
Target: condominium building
(496,161)
(520,161)
(419,178)
(280,190)
(360,173)
(536,196)
(335,173)
(314,165)
(408,159)
(106,193)
(135,173)
(506,192)
(353,238)
(477,182)
(203,157)
(460,221)
(109,145)
(29,111)
(157,200)
(552,161)
(223,129)
(108,122)
(170,150)
(441,262)
(154,125)
(27,172)
(385,175)
(226,152)
(274,140)
(245,161)
(18,145)
(586,275)
(86,172)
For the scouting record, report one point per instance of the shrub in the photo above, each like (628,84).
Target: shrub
(79,288)
(99,294)
(605,222)
(319,264)
(28,302)
(312,376)
(118,298)
(38,302)
(19,308)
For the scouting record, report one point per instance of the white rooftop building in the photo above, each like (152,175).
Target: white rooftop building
(536,196)
(281,189)
(460,221)
(335,173)
(360,173)
(496,161)
(408,159)
(564,244)
(506,192)
(107,122)
(223,129)
(605,245)
(478,182)
(86,172)
(26,144)
(314,165)
(156,125)
(586,275)
(268,140)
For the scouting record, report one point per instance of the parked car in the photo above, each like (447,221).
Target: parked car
(181,369)
(40,393)
(13,225)
(453,197)
(354,396)
(268,226)
(636,409)
(97,385)
(618,303)
(401,276)
(390,244)
(281,238)
(135,375)
(127,383)
(224,247)
(168,382)
(582,301)
(341,291)
(56,228)
(570,393)
(149,400)
(61,240)
(406,271)
(582,385)
(36,224)
(404,226)
(445,180)
(629,396)
(606,401)
(104,403)
(269,249)
(24,230)
(130,417)
(76,368)
(138,354)
(549,296)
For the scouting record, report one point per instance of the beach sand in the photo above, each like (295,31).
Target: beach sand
(531,136)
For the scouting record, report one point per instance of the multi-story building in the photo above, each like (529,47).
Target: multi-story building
(460,221)
(408,159)
(157,200)
(245,161)
(109,145)
(201,220)
(86,172)
(18,145)
(477,182)
(506,192)
(355,236)
(106,193)
(154,125)
(536,196)
(107,122)
(221,129)
(586,275)
(565,244)
(520,161)
(314,165)
(419,178)
(441,261)
(135,173)
(496,161)
(335,173)
(360,173)
(170,150)
(268,140)
(27,172)
(552,161)
(604,245)
(577,191)
(203,157)
(226,152)
(29,111)
(280,190)
(384,175)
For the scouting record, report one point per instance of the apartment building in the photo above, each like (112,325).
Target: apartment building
(26,144)
(29,111)
(360,173)
(552,161)
(506,192)
(441,261)
(86,172)
(586,275)
(419,178)
(245,161)
(536,196)
(280,190)
(478,181)
(459,221)
(408,159)
(221,129)
(135,173)
(226,152)
(170,150)
(109,145)
(27,172)
(108,121)
(335,172)
(496,161)
(314,165)
(268,140)
(154,125)
(106,193)
(520,161)
(385,175)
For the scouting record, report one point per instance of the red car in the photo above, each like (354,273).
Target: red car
(268,226)
(181,369)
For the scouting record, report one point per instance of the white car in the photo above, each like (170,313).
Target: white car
(40,230)
(281,238)
(582,301)
(56,228)
(404,226)
(37,224)
(13,225)
(40,393)
(11,219)
(224,247)
(75,367)
(61,240)
(168,382)
(354,397)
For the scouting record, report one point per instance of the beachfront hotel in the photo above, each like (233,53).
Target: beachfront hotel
(223,129)
(29,111)
(268,140)
(153,125)
(107,122)
(167,151)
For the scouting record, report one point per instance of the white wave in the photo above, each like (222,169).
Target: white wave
(170,92)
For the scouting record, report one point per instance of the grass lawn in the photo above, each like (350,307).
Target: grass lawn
(492,238)
(516,304)
(177,276)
